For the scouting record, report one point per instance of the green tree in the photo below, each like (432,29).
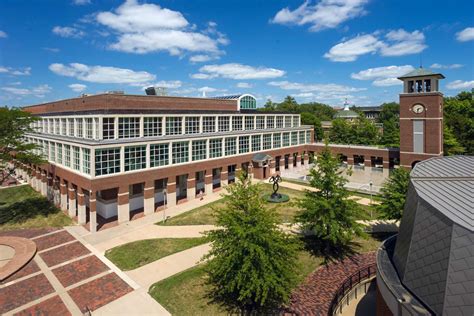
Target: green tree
(365,132)
(252,263)
(308,118)
(14,124)
(391,133)
(389,112)
(451,145)
(327,216)
(269,106)
(341,132)
(394,193)
(459,118)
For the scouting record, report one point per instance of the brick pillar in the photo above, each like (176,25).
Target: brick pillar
(81,206)
(49,188)
(72,200)
(44,184)
(350,161)
(290,162)
(191,188)
(171,192)
(237,173)
(93,212)
(63,192)
(298,161)
(225,177)
(37,180)
(368,162)
(306,160)
(149,197)
(272,167)
(123,205)
(56,192)
(208,181)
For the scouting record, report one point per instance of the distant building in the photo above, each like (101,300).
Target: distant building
(428,269)
(346,113)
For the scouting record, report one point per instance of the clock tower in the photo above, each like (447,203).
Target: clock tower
(421,117)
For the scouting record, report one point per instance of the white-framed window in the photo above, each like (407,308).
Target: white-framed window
(279,121)
(260,120)
(97,128)
(76,159)
(59,156)
(107,161)
(267,141)
(223,123)
(296,121)
(86,160)
(152,126)
(180,152)
(277,140)
(256,142)
(89,134)
(46,149)
(287,121)
(208,124)
(174,125)
(230,146)
(51,126)
(67,155)
(237,123)
(243,144)
(270,121)
(159,155)
(308,137)
(286,139)
(135,158)
(249,123)
(301,137)
(63,126)
(215,148)
(294,138)
(70,122)
(52,151)
(199,150)
(56,126)
(79,127)
(129,127)
(108,128)
(192,124)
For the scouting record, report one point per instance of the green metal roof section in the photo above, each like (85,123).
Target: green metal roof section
(421,72)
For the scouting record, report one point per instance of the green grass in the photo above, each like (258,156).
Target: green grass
(204,215)
(185,293)
(23,207)
(138,253)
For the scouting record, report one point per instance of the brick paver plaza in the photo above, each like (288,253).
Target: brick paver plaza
(63,278)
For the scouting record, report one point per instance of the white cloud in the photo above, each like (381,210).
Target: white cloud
(81,2)
(450,66)
(77,87)
(396,43)
(244,85)
(3,34)
(145,28)
(38,91)
(67,31)
(51,49)
(465,35)
(325,14)
(237,71)
(383,76)
(172,84)
(16,72)
(314,87)
(202,58)
(460,85)
(102,74)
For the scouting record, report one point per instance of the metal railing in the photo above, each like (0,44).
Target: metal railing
(347,286)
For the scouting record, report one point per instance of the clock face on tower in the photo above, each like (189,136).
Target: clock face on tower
(418,108)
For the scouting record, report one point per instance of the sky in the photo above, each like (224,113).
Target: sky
(317,51)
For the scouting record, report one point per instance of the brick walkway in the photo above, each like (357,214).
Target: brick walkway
(314,296)
(64,278)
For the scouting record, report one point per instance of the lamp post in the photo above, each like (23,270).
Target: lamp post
(370,190)
(165,203)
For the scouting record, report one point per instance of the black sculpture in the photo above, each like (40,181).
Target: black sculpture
(275,179)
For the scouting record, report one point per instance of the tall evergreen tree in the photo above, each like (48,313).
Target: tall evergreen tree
(251,267)
(394,193)
(327,216)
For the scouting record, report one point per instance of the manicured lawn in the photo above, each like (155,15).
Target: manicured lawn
(23,207)
(138,253)
(204,215)
(185,293)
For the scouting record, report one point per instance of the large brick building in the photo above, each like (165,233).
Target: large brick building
(113,155)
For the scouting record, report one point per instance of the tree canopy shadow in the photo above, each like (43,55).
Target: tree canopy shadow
(20,212)
(329,252)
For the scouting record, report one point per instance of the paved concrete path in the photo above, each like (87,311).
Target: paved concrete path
(163,268)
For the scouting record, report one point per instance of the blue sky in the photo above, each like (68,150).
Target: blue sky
(323,51)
